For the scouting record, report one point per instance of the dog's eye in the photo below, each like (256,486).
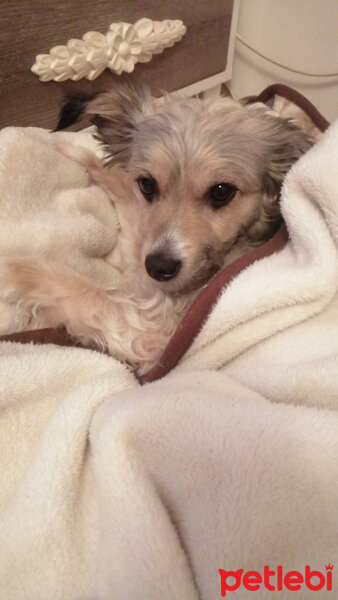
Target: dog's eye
(221,194)
(148,187)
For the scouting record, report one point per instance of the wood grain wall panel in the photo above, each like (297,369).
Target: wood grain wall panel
(31,27)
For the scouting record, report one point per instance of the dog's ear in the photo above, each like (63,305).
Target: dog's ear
(73,109)
(284,144)
(289,144)
(115,113)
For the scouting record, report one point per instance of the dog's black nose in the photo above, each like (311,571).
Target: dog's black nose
(162,268)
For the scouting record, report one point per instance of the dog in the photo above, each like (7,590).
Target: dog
(195,183)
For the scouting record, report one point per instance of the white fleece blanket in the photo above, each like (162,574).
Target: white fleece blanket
(114,491)
(49,207)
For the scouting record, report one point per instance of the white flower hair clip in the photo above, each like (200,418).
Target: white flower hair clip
(119,50)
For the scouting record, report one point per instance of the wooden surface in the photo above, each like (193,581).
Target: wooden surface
(31,27)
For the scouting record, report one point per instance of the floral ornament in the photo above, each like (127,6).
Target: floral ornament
(120,49)
(126,48)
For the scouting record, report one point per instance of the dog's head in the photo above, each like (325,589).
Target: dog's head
(207,174)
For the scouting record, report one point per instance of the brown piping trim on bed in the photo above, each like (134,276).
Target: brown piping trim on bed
(279,89)
(199,311)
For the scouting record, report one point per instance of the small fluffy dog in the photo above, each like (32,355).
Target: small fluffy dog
(195,184)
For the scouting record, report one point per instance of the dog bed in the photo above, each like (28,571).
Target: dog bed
(226,459)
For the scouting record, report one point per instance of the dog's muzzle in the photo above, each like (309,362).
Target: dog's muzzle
(161,267)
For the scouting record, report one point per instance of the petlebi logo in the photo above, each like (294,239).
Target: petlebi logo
(276,579)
